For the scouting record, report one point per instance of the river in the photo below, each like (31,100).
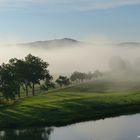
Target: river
(118,128)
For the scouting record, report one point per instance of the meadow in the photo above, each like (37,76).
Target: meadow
(69,105)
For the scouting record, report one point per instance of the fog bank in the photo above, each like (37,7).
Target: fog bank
(82,57)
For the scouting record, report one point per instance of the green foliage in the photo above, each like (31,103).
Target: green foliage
(9,85)
(37,70)
(22,73)
(63,81)
(48,84)
(61,107)
(80,77)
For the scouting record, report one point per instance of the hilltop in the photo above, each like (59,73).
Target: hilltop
(56,43)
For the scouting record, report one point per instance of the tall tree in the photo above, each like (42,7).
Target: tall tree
(22,72)
(25,72)
(37,70)
(9,85)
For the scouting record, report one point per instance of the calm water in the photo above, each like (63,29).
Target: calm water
(119,128)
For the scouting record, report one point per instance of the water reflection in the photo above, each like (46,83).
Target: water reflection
(119,128)
(27,134)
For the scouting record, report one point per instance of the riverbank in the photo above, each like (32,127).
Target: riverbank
(62,107)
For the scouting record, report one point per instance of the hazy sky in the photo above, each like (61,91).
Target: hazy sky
(30,20)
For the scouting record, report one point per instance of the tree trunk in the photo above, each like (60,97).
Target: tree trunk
(26,89)
(33,89)
(19,92)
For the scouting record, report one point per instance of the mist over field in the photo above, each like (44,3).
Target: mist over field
(66,57)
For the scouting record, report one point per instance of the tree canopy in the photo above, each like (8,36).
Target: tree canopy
(63,81)
(22,73)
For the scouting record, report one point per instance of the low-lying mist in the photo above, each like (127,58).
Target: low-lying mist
(120,61)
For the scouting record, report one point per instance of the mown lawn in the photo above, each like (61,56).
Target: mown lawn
(62,107)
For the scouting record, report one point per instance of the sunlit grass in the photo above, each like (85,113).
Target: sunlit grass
(61,107)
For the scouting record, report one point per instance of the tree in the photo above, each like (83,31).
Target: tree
(21,72)
(25,72)
(37,70)
(9,85)
(66,81)
(63,81)
(48,83)
(78,77)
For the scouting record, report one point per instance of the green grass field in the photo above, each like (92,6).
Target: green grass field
(68,105)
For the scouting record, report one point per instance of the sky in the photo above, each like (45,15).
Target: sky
(92,20)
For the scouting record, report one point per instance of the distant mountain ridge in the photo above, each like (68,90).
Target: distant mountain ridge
(69,42)
(129,44)
(52,43)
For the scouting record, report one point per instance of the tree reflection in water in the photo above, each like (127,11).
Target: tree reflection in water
(27,134)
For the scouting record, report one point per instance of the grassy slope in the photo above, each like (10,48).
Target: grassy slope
(66,106)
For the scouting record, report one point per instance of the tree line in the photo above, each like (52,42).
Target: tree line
(77,77)
(24,74)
